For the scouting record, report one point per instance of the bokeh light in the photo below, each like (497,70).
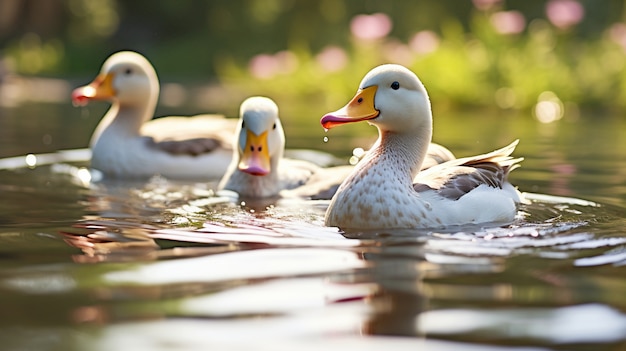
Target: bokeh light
(266,66)
(371,27)
(564,13)
(424,42)
(549,107)
(508,22)
(332,59)
(485,5)
(617,33)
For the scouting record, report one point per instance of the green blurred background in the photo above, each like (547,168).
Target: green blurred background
(484,53)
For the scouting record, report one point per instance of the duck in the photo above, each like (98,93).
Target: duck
(259,169)
(129,143)
(388,190)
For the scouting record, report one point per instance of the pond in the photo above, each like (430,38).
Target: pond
(168,265)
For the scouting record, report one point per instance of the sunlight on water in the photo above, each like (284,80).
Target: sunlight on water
(250,264)
(31,160)
(153,256)
(573,324)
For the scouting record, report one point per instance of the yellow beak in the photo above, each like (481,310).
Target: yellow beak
(255,159)
(360,108)
(100,89)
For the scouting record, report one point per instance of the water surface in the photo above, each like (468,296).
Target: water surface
(170,265)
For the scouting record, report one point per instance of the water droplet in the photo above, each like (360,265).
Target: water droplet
(358,152)
(84,176)
(325,139)
(31,160)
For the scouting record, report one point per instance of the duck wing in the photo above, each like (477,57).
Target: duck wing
(435,155)
(190,135)
(455,178)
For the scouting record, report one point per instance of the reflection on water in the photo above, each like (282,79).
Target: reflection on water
(171,263)
(90,263)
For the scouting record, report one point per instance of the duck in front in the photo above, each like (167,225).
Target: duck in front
(128,143)
(386,190)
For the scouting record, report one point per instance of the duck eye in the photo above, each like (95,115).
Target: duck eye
(395,85)
(128,71)
(274,127)
(243,124)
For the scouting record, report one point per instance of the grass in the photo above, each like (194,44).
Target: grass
(481,69)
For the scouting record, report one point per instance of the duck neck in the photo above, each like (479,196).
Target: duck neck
(400,152)
(125,120)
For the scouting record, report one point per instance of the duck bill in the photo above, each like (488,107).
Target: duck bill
(360,108)
(255,158)
(100,89)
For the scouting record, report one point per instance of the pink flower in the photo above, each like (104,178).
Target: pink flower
(332,58)
(262,66)
(508,22)
(287,61)
(396,52)
(617,33)
(485,5)
(266,66)
(370,27)
(424,42)
(564,13)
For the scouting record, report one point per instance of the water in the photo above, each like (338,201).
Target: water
(169,265)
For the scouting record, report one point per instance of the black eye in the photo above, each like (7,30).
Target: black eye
(395,85)
(360,100)
(243,124)
(274,127)
(128,71)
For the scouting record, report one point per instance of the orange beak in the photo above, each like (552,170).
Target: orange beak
(100,89)
(256,158)
(360,108)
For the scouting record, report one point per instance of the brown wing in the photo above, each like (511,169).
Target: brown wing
(456,178)
(190,135)
(193,147)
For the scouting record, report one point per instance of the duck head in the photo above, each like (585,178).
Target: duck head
(126,78)
(261,138)
(390,97)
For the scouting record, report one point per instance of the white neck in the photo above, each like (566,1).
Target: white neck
(125,120)
(398,153)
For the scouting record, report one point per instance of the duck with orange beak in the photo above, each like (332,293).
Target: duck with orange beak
(390,188)
(259,170)
(128,143)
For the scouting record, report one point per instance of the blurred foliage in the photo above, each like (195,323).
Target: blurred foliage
(471,61)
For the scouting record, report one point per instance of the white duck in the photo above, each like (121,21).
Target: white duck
(258,168)
(127,144)
(387,189)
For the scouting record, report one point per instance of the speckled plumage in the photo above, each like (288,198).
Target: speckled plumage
(387,190)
